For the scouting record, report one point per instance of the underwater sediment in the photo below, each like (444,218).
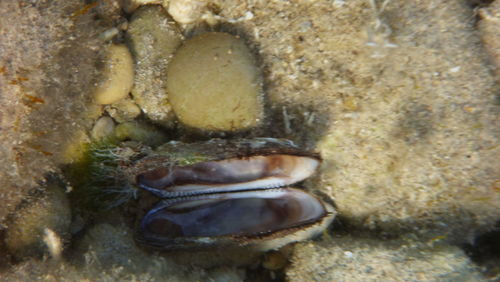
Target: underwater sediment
(397,97)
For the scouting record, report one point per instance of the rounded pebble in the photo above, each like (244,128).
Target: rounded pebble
(214,84)
(118,76)
(123,110)
(103,128)
(130,6)
(25,235)
(186,11)
(141,132)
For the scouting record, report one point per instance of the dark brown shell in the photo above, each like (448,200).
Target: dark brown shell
(216,166)
(176,167)
(224,220)
(178,153)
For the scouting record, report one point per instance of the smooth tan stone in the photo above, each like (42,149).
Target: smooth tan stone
(103,128)
(118,76)
(50,213)
(214,84)
(123,110)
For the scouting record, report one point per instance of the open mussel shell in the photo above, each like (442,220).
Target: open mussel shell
(222,193)
(261,219)
(217,166)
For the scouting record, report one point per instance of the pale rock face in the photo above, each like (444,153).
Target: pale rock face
(406,122)
(27,234)
(359,258)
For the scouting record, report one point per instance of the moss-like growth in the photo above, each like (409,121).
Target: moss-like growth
(98,179)
(141,132)
(97,167)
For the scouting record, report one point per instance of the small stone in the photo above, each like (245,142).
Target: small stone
(123,110)
(214,84)
(131,5)
(92,112)
(109,11)
(118,76)
(109,34)
(153,38)
(186,11)
(103,128)
(25,234)
(141,132)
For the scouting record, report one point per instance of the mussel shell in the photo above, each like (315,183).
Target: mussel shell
(264,219)
(179,169)
(181,154)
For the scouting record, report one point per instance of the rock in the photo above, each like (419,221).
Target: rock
(489,25)
(123,110)
(118,76)
(362,259)
(113,245)
(109,252)
(412,146)
(29,232)
(141,132)
(103,128)
(131,5)
(109,11)
(47,65)
(153,38)
(186,11)
(76,148)
(214,84)
(227,274)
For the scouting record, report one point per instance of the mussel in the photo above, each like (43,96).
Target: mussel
(229,193)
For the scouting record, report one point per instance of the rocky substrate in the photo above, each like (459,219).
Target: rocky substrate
(399,99)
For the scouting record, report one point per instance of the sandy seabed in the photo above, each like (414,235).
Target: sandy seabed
(399,97)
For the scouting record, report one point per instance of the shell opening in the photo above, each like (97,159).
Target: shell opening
(235,174)
(249,213)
